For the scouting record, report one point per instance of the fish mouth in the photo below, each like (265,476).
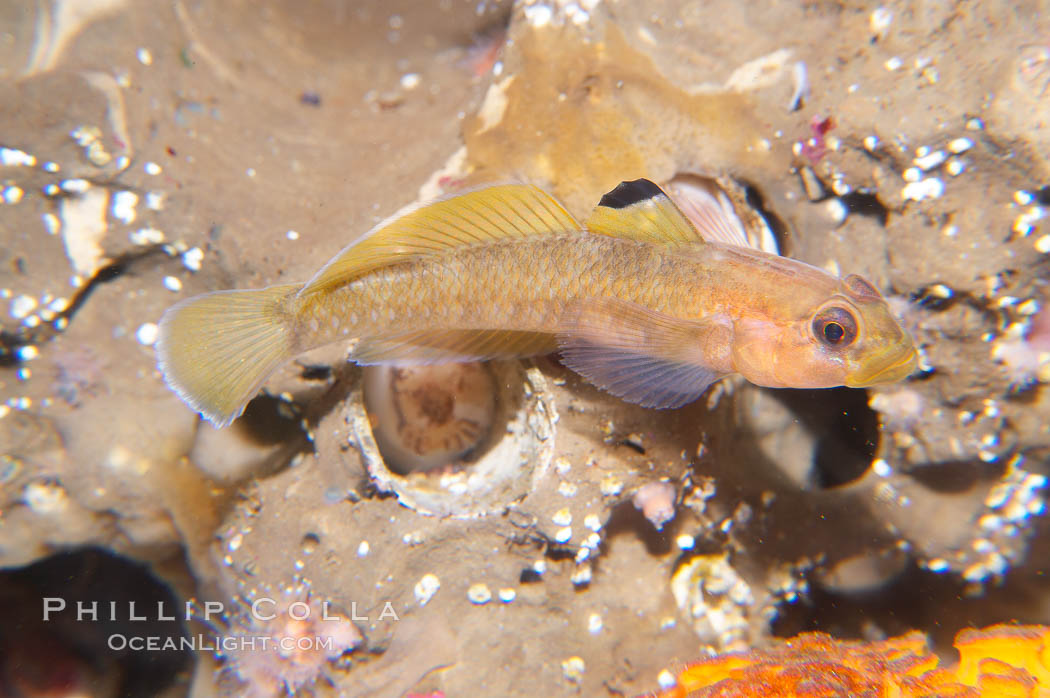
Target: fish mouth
(886,372)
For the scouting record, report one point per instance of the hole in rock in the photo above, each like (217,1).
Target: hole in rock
(77,623)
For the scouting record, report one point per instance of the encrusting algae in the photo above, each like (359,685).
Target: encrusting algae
(1001,661)
(639,300)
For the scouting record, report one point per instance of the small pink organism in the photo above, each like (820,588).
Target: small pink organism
(815,147)
(1027,359)
(900,409)
(656,501)
(281,642)
(484,53)
(1033,68)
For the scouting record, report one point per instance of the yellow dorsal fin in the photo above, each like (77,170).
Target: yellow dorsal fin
(640,210)
(475,218)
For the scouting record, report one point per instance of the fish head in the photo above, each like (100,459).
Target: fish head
(850,337)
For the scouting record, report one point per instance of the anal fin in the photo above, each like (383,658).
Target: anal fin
(643,356)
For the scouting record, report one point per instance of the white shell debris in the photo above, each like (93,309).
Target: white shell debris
(83,227)
(538,15)
(719,601)
(363,549)
(172,283)
(147,333)
(893,64)
(426,587)
(930,160)
(563,535)
(666,680)
(192,258)
(144,56)
(51,223)
(21,306)
(12,194)
(567,489)
(410,81)
(880,20)
(13,157)
(1043,244)
(151,168)
(959,145)
(506,595)
(594,623)
(1024,224)
(146,236)
(562,517)
(292,235)
(123,207)
(75,186)
(573,668)
(930,188)
(800,78)
(45,497)
(611,486)
(479,594)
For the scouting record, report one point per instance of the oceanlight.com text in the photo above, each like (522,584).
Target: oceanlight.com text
(219,643)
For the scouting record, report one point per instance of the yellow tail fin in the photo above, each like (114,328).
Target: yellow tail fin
(216,350)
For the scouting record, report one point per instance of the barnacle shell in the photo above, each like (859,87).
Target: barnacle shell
(500,470)
(425,417)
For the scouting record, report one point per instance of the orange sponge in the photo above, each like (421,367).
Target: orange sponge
(1002,660)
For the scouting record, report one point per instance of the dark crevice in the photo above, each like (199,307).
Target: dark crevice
(1042,195)
(757,202)
(626,519)
(13,340)
(845,428)
(865,203)
(953,476)
(67,655)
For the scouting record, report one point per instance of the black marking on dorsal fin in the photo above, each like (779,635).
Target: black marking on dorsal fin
(629,193)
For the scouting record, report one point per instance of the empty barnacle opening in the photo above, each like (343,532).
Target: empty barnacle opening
(626,519)
(693,192)
(865,203)
(268,420)
(69,622)
(818,438)
(846,429)
(265,439)
(757,201)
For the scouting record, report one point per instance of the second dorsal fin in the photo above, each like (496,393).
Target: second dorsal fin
(640,210)
(476,217)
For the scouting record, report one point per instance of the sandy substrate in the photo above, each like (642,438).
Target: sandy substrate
(153,151)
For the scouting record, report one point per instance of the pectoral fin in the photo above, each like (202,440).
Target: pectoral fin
(644,356)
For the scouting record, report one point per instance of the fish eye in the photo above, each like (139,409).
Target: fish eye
(835,327)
